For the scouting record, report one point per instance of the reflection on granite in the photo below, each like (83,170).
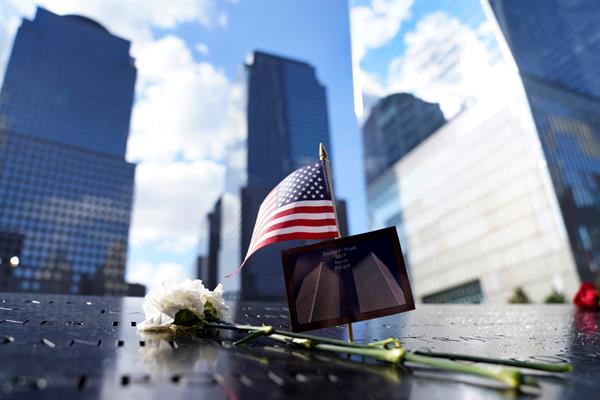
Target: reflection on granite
(89,347)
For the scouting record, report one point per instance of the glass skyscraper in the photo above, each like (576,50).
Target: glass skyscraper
(556,41)
(65,187)
(556,47)
(397,124)
(211,263)
(287,117)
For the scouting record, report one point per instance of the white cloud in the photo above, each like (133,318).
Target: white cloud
(132,20)
(486,28)
(445,61)
(372,89)
(171,203)
(183,107)
(151,274)
(376,24)
(202,48)
(373,26)
(135,20)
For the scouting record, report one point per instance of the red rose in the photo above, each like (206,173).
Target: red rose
(587,297)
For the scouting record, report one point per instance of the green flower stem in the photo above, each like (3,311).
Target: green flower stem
(396,354)
(385,342)
(563,367)
(306,343)
(263,331)
(249,328)
(233,327)
(393,356)
(320,339)
(511,378)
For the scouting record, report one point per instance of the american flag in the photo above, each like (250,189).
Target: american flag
(300,207)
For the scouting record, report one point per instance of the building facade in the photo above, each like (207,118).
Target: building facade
(65,188)
(553,40)
(286,115)
(395,126)
(556,47)
(477,212)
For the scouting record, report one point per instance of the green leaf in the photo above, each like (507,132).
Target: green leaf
(186,317)
(210,313)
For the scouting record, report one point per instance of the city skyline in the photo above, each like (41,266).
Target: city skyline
(189,103)
(188,106)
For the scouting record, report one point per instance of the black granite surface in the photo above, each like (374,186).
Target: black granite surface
(88,347)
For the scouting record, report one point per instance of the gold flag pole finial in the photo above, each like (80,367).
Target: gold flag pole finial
(323,157)
(322,152)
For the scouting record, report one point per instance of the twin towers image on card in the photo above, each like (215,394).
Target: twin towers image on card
(375,288)
(344,280)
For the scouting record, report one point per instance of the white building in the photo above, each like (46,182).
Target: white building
(476,210)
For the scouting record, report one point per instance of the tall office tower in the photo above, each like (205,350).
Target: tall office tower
(287,119)
(341,207)
(229,256)
(65,187)
(215,227)
(556,47)
(318,298)
(397,124)
(201,272)
(376,287)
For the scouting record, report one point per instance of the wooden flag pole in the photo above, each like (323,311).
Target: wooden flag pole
(350,333)
(323,157)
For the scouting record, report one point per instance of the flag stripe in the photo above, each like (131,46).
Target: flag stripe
(292,217)
(292,229)
(300,222)
(319,206)
(266,214)
(269,204)
(307,203)
(298,236)
(301,209)
(316,212)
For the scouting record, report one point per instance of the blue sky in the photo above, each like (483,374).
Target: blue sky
(188,104)
(467,11)
(442,51)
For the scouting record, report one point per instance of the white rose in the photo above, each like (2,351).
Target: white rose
(161,304)
(216,299)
